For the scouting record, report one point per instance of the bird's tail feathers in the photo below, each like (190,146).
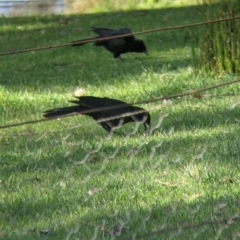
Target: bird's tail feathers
(58,112)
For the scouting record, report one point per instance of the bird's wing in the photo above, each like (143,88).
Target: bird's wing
(103,32)
(107,32)
(92,102)
(122,40)
(124,31)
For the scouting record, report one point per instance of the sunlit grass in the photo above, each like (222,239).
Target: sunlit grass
(94,6)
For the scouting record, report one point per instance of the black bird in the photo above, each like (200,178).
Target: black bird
(116,109)
(116,46)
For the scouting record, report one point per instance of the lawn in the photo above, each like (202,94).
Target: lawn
(68,179)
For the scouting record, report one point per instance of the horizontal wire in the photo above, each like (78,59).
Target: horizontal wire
(173,96)
(118,36)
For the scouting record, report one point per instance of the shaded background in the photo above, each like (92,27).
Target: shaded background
(25,7)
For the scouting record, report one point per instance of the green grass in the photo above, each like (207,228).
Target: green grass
(218,43)
(93,6)
(70,178)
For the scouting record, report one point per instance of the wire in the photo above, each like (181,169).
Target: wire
(193,92)
(118,36)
